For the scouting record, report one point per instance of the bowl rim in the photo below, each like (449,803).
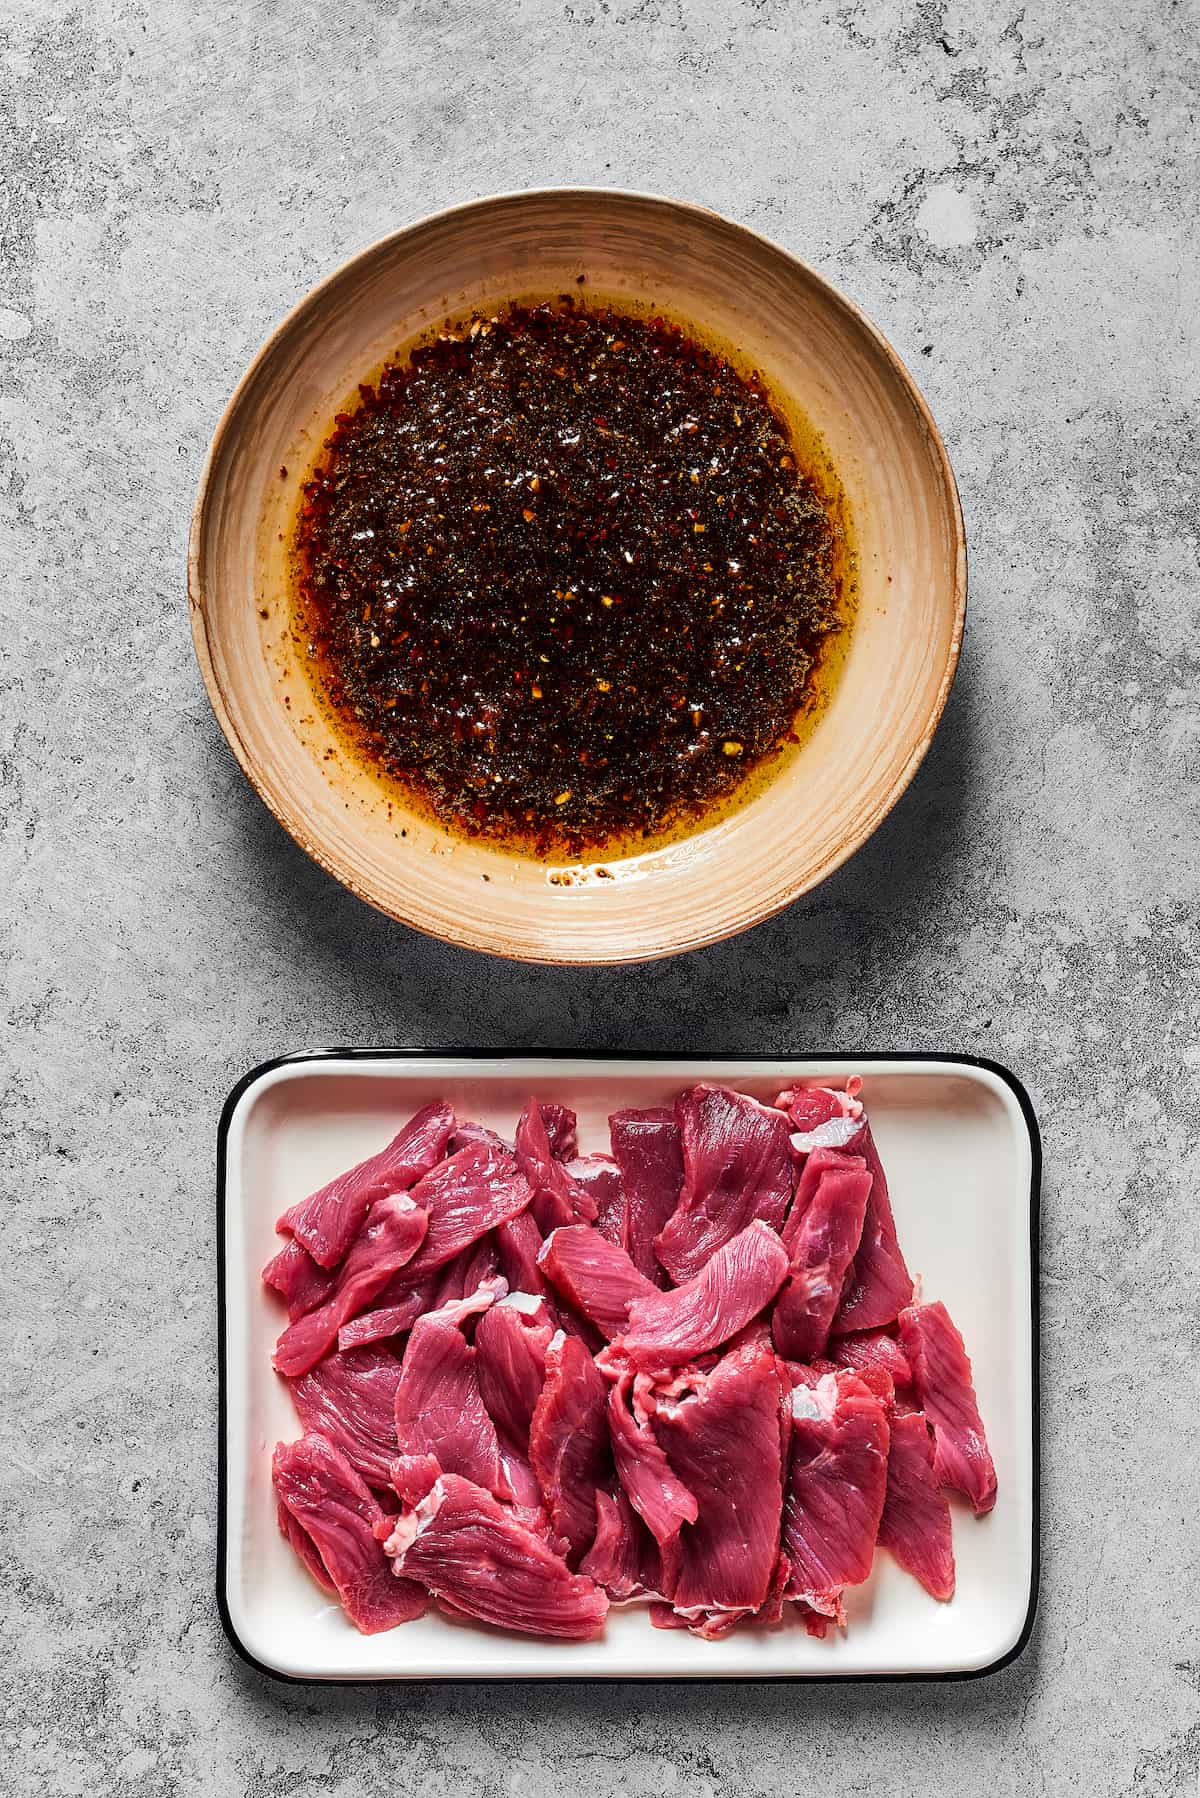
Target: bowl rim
(294,823)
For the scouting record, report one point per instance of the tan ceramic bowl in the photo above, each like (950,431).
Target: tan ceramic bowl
(830,369)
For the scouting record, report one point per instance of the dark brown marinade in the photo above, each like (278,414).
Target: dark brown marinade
(563,578)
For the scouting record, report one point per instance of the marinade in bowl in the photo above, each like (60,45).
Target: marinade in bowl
(565,577)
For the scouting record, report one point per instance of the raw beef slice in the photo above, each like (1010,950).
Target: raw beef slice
(837,1478)
(466,1196)
(464,1275)
(510,1364)
(568,1443)
(391,1236)
(821,1237)
(351,1401)
(915,1526)
(561,1130)
(596,1276)
(878,1285)
(301,1282)
(519,1243)
(481,1561)
(304,1546)
(511,1340)
(557,1198)
(339,1514)
(439,1410)
(395,1311)
(666,1329)
(736,1167)
(600,1177)
(822,1117)
(328,1222)
(942,1376)
(622,1558)
(660,1499)
(647,1149)
(722,1434)
(872,1348)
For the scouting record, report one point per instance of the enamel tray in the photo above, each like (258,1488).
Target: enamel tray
(959,1141)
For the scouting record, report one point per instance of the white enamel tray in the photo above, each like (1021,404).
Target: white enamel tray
(959,1142)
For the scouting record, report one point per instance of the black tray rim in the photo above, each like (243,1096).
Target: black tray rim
(358,1053)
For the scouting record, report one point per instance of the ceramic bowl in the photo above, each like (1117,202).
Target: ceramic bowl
(835,377)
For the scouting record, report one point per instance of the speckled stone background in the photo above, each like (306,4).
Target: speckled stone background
(1011,192)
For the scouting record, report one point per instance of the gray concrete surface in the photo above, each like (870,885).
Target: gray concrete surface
(1011,191)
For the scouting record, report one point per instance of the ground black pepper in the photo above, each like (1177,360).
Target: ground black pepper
(563,578)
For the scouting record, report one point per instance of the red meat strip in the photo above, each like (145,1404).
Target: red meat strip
(915,1526)
(623,1557)
(737,1167)
(470,1136)
(519,1243)
(389,1240)
(510,1349)
(822,1234)
(561,1130)
(612,1560)
(466,1196)
(557,1199)
(863,1349)
(942,1376)
(772,1606)
(510,1364)
(478,1559)
(401,1302)
(660,1499)
(413,1476)
(304,1546)
(568,1443)
(439,1410)
(400,1305)
(351,1401)
(808,1186)
(595,1275)
(646,1148)
(668,1328)
(723,1438)
(600,1178)
(328,1222)
(878,1285)
(876,1378)
(459,1278)
(338,1513)
(822,1117)
(299,1280)
(837,1478)
(664,1616)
